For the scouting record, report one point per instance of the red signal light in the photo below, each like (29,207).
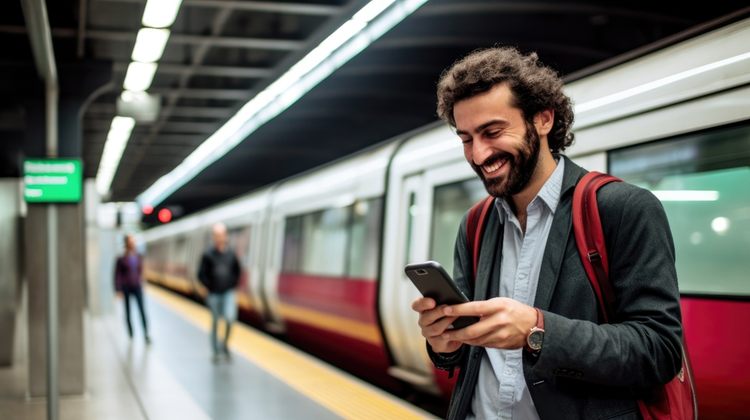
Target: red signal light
(147,209)
(165,215)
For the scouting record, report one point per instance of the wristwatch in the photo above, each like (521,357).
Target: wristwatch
(536,336)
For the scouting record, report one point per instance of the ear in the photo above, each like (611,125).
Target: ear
(543,121)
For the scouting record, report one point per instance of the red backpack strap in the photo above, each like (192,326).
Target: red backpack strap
(474,229)
(587,227)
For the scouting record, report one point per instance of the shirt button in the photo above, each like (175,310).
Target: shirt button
(508,371)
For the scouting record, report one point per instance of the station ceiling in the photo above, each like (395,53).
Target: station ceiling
(223,52)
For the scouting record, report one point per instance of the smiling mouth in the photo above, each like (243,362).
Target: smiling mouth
(494,166)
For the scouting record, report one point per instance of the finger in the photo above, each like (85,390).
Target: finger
(472,332)
(423,304)
(437,328)
(478,308)
(429,317)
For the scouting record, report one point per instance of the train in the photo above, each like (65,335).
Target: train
(323,253)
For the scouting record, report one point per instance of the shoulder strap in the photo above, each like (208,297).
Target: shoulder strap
(474,229)
(587,227)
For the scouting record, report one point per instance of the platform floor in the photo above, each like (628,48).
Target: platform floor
(176,378)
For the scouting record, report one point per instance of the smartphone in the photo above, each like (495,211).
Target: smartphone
(433,282)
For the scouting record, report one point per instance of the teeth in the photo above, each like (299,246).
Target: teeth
(495,166)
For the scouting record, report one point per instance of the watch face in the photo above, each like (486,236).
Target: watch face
(535,340)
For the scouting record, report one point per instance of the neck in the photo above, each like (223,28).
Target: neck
(544,169)
(221,248)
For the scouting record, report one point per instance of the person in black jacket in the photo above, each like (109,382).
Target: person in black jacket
(220,273)
(541,349)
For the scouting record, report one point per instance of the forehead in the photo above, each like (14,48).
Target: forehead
(495,103)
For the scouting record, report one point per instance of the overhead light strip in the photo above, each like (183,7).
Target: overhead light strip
(117,139)
(149,47)
(370,23)
(629,93)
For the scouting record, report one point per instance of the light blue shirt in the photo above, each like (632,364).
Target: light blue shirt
(501,391)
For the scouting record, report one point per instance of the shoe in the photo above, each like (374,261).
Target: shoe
(148,340)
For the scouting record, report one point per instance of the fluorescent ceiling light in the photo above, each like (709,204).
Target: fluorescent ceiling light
(686,195)
(160,13)
(128,96)
(628,93)
(139,76)
(370,23)
(117,139)
(149,44)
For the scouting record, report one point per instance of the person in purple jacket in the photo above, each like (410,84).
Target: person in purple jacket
(128,275)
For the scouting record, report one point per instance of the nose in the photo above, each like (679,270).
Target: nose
(480,152)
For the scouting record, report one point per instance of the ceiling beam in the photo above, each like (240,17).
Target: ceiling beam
(460,42)
(218,71)
(238,42)
(476,8)
(268,6)
(188,127)
(226,94)
(201,112)
(223,41)
(184,111)
(257,6)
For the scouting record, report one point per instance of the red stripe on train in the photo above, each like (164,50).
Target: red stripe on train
(349,298)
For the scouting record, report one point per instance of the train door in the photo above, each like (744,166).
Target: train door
(413,235)
(396,291)
(270,280)
(256,267)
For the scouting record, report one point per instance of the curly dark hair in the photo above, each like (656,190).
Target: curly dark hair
(535,88)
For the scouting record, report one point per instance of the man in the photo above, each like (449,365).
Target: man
(220,273)
(128,275)
(513,118)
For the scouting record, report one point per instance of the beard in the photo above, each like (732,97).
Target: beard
(522,167)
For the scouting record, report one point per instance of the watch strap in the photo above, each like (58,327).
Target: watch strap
(539,327)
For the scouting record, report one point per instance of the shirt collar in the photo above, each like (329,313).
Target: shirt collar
(549,194)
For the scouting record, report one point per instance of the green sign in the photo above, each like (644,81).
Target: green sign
(52,180)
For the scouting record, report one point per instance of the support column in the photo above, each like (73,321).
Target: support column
(78,83)
(10,267)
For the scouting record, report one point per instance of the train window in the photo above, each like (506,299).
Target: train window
(364,241)
(325,238)
(451,201)
(335,242)
(292,245)
(702,180)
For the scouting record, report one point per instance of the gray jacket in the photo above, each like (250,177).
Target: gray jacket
(587,369)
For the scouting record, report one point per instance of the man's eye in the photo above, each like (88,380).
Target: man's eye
(465,141)
(493,133)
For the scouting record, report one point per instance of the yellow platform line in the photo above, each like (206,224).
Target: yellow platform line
(339,392)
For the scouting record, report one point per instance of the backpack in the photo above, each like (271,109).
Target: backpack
(674,401)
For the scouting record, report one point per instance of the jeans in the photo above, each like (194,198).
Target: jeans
(136,291)
(221,305)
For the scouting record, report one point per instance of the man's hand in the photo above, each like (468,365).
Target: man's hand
(433,323)
(504,323)
(118,295)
